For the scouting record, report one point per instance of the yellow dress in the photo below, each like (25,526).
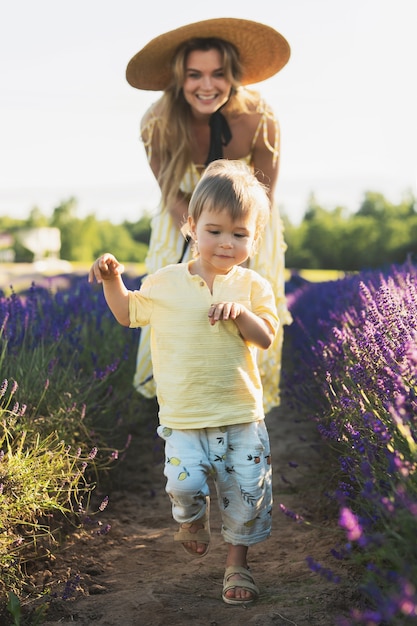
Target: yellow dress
(166,246)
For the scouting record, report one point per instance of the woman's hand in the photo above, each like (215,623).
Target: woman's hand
(105,267)
(179,209)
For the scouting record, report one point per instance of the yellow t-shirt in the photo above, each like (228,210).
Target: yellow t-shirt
(205,375)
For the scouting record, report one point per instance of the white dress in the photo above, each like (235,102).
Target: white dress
(166,246)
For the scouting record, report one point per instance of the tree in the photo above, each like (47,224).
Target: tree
(36,219)
(140,231)
(64,213)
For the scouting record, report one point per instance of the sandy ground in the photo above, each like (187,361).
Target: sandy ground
(137,576)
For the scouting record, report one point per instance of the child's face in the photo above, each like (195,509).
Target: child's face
(222,243)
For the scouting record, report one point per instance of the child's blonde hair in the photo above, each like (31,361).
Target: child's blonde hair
(231,186)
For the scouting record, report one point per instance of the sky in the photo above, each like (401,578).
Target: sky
(69,121)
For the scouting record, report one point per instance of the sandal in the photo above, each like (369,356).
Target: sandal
(246,582)
(202,535)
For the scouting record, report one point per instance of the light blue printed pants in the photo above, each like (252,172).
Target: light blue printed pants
(238,458)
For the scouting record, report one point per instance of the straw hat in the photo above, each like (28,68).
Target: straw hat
(262,51)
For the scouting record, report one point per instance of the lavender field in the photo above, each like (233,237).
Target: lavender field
(66,405)
(354,370)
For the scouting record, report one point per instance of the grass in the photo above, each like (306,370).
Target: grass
(315,276)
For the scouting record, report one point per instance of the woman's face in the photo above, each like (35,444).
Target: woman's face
(205,86)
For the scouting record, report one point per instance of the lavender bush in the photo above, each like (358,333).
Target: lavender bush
(65,405)
(354,347)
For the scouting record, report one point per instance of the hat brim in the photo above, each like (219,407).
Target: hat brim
(262,51)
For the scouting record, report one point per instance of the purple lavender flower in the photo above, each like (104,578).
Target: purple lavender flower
(3,387)
(294,516)
(322,571)
(104,530)
(70,587)
(93,453)
(104,503)
(349,522)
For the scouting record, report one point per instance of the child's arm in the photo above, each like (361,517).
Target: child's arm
(253,328)
(107,270)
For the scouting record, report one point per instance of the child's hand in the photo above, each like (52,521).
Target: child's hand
(105,267)
(224,311)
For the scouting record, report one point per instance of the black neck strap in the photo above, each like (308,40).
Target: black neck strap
(220,135)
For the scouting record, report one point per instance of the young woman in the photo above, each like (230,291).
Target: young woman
(206,113)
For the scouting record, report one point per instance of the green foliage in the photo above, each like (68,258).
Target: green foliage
(14,608)
(119,241)
(83,240)
(10,224)
(42,482)
(22,254)
(141,230)
(46,485)
(36,219)
(378,235)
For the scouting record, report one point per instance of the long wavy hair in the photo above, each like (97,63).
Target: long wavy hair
(172,112)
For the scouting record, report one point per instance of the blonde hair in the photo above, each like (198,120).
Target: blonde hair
(173,130)
(231,186)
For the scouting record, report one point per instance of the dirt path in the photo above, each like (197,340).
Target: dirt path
(137,576)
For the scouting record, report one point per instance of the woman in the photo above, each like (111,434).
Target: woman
(205,113)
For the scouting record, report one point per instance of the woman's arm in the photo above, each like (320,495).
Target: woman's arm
(149,133)
(266,154)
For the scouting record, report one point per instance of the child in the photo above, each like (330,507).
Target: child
(208,318)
